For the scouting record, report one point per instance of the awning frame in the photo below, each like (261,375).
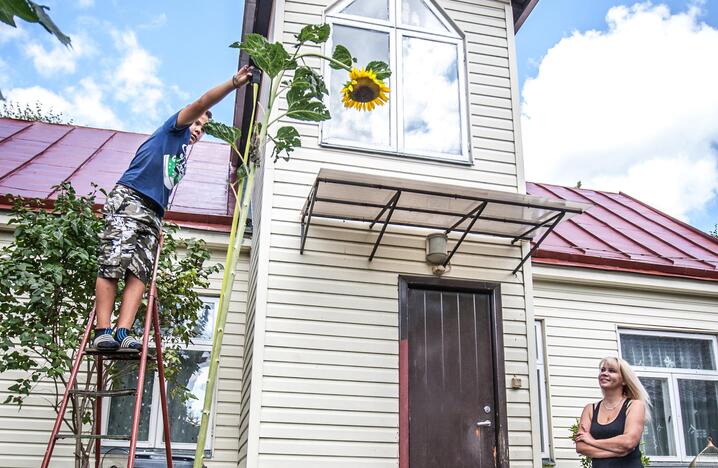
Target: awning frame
(391,206)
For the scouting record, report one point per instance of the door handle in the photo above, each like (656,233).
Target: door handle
(486,423)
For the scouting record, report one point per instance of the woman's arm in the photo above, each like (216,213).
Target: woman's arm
(631,437)
(584,428)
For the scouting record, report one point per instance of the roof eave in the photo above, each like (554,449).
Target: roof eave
(601,263)
(522,10)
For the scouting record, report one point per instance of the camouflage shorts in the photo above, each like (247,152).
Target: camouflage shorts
(129,240)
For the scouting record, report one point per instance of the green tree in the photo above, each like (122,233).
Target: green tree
(33,113)
(47,284)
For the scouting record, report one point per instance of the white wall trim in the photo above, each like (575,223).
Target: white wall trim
(620,280)
(531,350)
(515,100)
(261,284)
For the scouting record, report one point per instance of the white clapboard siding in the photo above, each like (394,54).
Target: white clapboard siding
(325,355)
(24,433)
(581,323)
(245,394)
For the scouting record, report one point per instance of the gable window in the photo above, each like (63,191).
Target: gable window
(184,416)
(426,114)
(679,372)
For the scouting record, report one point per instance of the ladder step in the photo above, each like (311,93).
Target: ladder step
(70,435)
(105,393)
(125,354)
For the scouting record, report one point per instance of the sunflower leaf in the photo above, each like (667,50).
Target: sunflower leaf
(19,8)
(381,69)
(341,54)
(241,172)
(229,135)
(303,103)
(46,22)
(317,33)
(312,111)
(313,79)
(286,140)
(272,58)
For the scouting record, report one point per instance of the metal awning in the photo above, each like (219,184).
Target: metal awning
(385,201)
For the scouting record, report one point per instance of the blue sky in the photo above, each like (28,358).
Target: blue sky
(616,94)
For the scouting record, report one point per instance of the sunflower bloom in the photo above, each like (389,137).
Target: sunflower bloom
(364,91)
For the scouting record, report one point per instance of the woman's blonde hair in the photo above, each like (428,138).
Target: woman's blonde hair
(633,389)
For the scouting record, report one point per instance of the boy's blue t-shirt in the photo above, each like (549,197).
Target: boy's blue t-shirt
(160,163)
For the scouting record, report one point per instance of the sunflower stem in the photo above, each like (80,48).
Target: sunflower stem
(278,118)
(328,59)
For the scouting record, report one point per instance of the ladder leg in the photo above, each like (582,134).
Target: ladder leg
(98,412)
(66,396)
(163,389)
(143,358)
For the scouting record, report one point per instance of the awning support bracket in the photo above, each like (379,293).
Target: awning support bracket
(480,206)
(477,213)
(391,206)
(538,226)
(307,216)
(558,218)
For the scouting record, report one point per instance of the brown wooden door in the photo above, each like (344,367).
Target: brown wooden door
(452,394)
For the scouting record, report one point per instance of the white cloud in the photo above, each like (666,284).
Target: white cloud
(136,80)
(85,3)
(58,58)
(8,33)
(82,103)
(634,108)
(155,23)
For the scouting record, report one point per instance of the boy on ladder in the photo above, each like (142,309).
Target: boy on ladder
(134,209)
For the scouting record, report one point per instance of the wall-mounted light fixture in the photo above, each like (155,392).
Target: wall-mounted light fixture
(436,252)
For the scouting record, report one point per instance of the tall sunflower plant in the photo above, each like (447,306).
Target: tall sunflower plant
(304,92)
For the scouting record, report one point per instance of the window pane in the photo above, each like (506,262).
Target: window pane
(205,325)
(658,434)
(667,351)
(365,128)
(121,408)
(542,411)
(430,77)
(416,13)
(699,410)
(185,415)
(378,9)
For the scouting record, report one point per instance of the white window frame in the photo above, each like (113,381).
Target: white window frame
(542,388)
(672,375)
(156,431)
(397,31)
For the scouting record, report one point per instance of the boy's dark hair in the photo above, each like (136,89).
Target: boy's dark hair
(209,114)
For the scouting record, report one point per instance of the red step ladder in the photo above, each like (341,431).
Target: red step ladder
(151,318)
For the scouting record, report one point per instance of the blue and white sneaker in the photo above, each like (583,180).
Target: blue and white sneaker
(127,341)
(104,340)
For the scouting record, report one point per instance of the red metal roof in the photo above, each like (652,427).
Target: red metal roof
(617,233)
(36,156)
(622,233)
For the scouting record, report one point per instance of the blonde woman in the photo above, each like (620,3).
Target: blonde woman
(610,430)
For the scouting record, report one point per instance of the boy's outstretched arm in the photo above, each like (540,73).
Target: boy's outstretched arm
(195,110)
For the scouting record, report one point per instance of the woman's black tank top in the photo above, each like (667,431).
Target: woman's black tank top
(613,429)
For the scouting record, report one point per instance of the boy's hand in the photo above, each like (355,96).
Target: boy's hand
(242,76)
